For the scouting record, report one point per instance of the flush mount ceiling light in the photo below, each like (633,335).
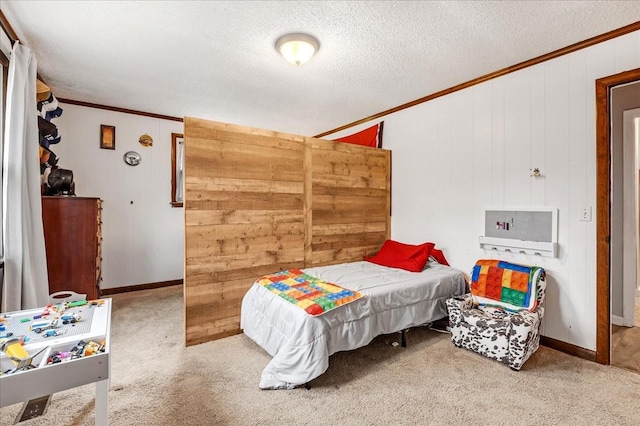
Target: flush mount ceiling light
(297,48)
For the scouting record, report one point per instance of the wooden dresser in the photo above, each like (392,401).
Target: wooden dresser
(73,235)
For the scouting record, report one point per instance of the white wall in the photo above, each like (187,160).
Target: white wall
(142,234)
(457,155)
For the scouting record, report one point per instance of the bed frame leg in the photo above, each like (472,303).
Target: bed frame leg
(307,386)
(404,338)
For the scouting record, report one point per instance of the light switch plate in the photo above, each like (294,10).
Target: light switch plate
(585,214)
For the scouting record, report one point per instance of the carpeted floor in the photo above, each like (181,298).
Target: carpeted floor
(157,381)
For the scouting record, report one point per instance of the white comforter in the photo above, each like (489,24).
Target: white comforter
(301,344)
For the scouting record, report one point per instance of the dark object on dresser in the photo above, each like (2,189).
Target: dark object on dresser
(60,182)
(72,233)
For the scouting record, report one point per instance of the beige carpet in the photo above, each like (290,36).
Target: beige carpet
(156,381)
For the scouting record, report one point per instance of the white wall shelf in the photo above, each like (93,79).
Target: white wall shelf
(533,248)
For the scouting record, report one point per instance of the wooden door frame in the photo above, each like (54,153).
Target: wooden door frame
(603,210)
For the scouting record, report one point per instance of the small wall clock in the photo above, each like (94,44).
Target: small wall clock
(132,158)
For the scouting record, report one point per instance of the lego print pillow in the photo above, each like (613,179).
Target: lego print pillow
(506,285)
(409,257)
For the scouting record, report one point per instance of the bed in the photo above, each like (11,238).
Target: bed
(300,344)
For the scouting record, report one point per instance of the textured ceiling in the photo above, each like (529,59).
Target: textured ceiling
(217,60)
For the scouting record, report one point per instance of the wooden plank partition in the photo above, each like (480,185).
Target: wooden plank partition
(258,201)
(350,208)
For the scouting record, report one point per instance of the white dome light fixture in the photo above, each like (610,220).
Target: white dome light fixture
(297,48)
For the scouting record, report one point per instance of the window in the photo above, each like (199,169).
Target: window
(6,42)
(177,169)
(4,73)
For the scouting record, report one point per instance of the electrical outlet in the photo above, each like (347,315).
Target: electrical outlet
(585,214)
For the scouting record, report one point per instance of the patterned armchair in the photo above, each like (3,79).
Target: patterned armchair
(501,317)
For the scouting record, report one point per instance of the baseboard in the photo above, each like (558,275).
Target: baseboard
(129,288)
(568,348)
(616,320)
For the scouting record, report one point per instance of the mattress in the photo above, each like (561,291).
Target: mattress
(301,344)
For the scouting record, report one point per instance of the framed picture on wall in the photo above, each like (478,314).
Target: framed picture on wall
(107,137)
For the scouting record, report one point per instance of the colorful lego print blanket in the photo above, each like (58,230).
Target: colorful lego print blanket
(312,294)
(507,285)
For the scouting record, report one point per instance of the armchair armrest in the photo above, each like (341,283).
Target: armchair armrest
(455,305)
(464,301)
(524,337)
(528,319)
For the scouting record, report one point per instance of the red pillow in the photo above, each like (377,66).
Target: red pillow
(439,256)
(404,256)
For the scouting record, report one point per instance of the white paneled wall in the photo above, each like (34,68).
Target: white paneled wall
(142,233)
(457,155)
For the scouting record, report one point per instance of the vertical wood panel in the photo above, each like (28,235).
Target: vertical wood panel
(517,123)
(536,131)
(249,211)
(244,213)
(578,266)
(557,166)
(414,167)
(350,205)
(442,155)
(497,148)
(481,167)
(308,215)
(461,165)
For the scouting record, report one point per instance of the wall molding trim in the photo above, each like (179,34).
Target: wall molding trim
(130,288)
(546,57)
(615,319)
(118,109)
(568,348)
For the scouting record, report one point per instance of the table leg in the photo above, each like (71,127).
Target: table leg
(102,403)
